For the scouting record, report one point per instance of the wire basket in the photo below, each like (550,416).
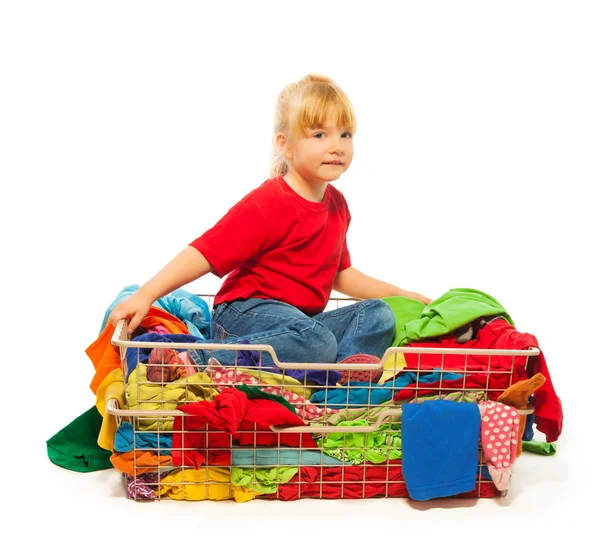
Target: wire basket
(249,431)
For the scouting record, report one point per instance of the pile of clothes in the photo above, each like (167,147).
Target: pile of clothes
(226,443)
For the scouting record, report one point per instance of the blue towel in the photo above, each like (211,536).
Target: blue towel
(189,308)
(439,446)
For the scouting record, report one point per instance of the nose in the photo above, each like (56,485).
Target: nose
(336,146)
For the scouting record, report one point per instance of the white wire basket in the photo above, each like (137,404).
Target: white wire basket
(208,432)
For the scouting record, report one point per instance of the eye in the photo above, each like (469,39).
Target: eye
(317,134)
(347,134)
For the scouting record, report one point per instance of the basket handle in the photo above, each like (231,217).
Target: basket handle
(112,408)
(328,429)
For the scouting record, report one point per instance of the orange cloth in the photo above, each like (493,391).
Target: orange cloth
(145,462)
(105,356)
(517,396)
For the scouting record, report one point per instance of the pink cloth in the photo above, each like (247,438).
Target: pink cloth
(499,440)
(188,362)
(167,365)
(158,329)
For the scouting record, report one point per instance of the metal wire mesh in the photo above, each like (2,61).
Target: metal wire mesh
(335,449)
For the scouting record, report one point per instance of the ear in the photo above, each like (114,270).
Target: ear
(280,142)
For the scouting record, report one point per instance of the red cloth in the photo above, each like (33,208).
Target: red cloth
(232,417)
(278,245)
(348,481)
(498,334)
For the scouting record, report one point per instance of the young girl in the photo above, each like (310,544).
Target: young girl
(283,248)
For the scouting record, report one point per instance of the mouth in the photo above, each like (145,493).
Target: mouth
(333,163)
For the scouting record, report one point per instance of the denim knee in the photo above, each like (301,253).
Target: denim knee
(318,345)
(382,317)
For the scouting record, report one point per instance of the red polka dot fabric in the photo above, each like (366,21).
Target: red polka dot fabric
(499,439)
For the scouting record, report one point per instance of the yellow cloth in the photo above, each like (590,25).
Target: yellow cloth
(198,485)
(147,396)
(112,386)
(394,364)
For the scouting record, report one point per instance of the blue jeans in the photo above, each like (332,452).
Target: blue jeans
(363,327)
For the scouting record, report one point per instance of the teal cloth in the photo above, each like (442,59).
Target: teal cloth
(189,308)
(457,307)
(270,457)
(126,438)
(539,447)
(75,446)
(359,394)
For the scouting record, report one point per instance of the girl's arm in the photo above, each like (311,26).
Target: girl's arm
(186,267)
(354,283)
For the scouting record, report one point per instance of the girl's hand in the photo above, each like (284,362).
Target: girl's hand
(134,308)
(418,297)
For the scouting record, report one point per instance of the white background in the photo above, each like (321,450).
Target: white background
(128,128)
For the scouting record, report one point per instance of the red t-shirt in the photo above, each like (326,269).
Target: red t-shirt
(277,245)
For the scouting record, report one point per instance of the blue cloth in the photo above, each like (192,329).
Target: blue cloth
(529,421)
(143,440)
(485,473)
(243,457)
(359,394)
(189,308)
(439,447)
(134,356)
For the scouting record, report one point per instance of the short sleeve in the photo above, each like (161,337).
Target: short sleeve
(241,235)
(345,261)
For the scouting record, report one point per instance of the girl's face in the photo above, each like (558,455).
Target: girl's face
(322,155)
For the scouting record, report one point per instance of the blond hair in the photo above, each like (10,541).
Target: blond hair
(306,104)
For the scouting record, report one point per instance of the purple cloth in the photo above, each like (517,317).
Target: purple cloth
(137,487)
(251,358)
(141,355)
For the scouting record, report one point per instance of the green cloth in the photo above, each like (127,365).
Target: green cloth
(266,481)
(539,447)
(457,307)
(405,310)
(379,446)
(258,392)
(75,447)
